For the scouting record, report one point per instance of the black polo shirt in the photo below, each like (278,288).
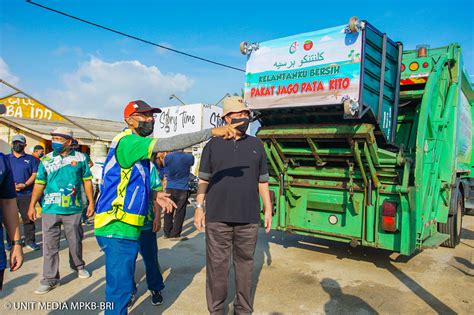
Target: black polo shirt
(233,168)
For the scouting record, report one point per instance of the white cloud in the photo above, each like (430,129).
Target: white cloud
(64,50)
(101,89)
(325,39)
(7,76)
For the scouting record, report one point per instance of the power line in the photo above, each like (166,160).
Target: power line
(134,37)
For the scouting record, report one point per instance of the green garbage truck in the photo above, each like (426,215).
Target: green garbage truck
(367,143)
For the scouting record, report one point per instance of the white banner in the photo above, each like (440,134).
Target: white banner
(178,120)
(315,68)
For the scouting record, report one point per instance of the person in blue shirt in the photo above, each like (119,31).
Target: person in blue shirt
(25,168)
(8,216)
(149,245)
(178,166)
(160,167)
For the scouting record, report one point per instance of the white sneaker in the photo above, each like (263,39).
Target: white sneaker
(83,273)
(45,288)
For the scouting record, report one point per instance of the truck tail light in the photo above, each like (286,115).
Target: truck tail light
(389,216)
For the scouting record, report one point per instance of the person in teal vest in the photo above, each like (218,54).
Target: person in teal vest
(125,192)
(62,174)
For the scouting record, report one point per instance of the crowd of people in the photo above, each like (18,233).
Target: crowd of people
(127,212)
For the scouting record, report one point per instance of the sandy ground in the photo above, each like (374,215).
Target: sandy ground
(292,275)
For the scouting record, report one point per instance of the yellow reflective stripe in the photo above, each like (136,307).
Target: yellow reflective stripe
(39,181)
(104,218)
(150,147)
(122,187)
(118,137)
(87,178)
(124,179)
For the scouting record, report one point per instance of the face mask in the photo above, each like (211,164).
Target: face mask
(40,155)
(18,147)
(242,128)
(58,147)
(145,128)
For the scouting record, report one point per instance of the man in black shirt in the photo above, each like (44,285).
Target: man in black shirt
(232,174)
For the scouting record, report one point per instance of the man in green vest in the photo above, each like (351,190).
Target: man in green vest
(125,191)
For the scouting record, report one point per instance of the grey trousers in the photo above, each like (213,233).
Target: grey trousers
(51,224)
(221,238)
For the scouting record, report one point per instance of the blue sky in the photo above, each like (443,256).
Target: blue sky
(85,71)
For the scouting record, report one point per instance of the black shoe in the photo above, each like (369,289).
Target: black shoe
(156,298)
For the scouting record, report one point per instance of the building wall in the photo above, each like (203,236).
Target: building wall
(96,149)
(7,134)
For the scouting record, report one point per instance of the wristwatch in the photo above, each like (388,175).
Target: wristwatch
(17,242)
(198,205)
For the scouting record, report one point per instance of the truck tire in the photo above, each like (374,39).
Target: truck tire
(454,225)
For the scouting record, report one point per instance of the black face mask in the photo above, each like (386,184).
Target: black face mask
(145,128)
(18,147)
(242,128)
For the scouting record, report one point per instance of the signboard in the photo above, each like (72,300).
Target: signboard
(316,68)
(21,107)
(212,117)
(183,119)
(178,120)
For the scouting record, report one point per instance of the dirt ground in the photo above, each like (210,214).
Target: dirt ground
(292,275)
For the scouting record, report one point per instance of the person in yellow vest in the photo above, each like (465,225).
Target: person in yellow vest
(125,191)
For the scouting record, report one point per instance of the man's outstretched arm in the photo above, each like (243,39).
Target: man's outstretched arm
(189,139)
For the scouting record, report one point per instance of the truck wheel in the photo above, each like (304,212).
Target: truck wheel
(454,225)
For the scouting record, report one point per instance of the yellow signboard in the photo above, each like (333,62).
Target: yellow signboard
(21,107)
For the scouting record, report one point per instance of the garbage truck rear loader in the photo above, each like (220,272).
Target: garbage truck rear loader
(366,144)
